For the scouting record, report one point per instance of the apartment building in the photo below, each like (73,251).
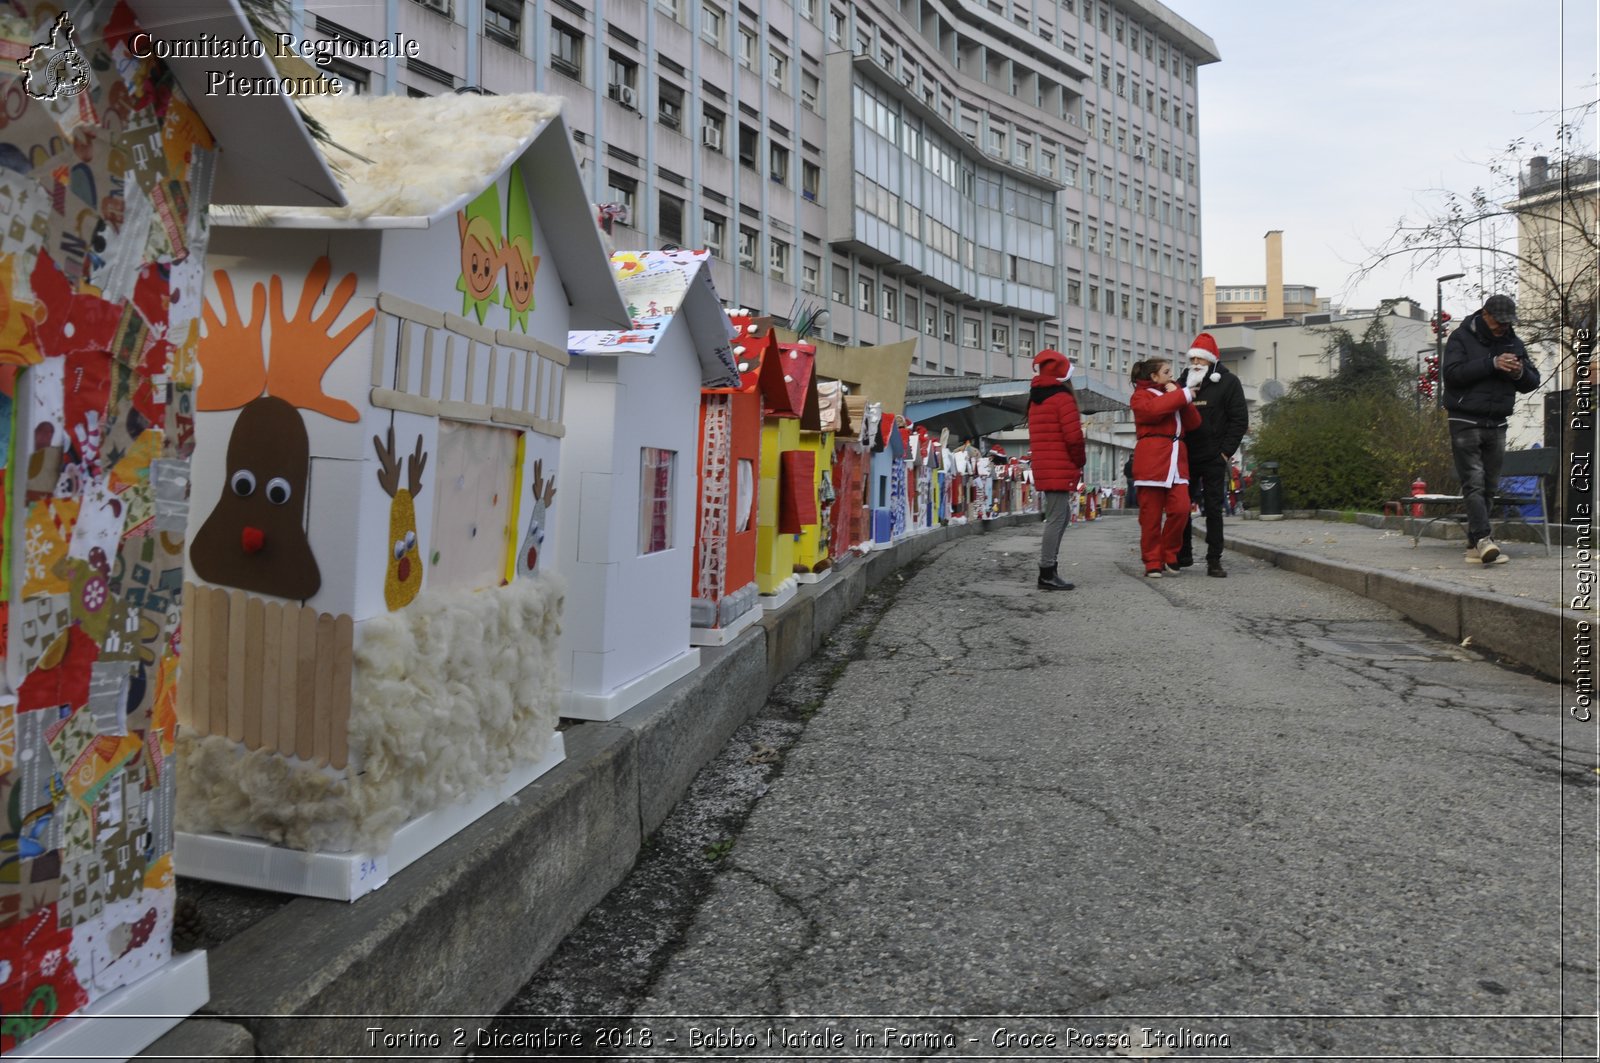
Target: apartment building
(989,178)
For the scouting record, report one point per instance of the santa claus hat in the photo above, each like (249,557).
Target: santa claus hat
(1050,362)
(1206,347)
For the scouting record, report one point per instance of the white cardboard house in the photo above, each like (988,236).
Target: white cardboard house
(380,421)
(628,474)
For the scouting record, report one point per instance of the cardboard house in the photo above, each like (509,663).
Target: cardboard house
(844,509)
(724,600)
(813,558)
(107,164)
(379,420)
(629,475)
(789,407)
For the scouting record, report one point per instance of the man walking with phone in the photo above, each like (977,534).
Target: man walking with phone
(1485,368)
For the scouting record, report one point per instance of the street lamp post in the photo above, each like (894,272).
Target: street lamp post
(1438,319)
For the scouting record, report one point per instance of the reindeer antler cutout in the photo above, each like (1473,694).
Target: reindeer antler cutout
(232,360)
(389,475)
(232,363)
(414,466)
(303,347)
(543,492)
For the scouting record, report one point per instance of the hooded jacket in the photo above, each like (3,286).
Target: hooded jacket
(1474,390)
(1162,418)
(1224,416)
(1055,435)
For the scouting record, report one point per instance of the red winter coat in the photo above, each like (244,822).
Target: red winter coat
(1055,436)
(1160,458)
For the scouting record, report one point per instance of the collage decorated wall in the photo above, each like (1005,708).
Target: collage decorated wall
(103,194)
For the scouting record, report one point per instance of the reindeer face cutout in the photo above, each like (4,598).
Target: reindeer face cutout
(255,538)
(403,579)
(544,493)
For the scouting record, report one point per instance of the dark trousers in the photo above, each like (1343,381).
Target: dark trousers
(1479,454)
(1208,483)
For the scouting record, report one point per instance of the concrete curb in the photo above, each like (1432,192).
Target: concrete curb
(459,931)
(1527,633)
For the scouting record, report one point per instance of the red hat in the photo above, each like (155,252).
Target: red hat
(1204,347)
(1051,362)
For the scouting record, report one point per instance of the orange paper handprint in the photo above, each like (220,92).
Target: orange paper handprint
(303,348)
(232,365)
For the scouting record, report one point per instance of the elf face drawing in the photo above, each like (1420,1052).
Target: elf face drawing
(544,493)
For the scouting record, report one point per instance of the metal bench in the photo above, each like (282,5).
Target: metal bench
(1541,463)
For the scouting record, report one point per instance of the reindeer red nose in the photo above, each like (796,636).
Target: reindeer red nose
(252,539)
(403,570)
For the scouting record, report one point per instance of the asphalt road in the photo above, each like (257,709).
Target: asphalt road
(1259,817)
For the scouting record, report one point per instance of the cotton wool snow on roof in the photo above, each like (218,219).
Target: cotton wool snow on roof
(401,159)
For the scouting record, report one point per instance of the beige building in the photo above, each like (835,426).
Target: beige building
(1226,304)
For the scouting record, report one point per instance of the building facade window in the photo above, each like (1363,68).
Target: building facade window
(502,22)
(669,105)
(778,260)
(748,241)
(712,127)
(566,50)
(669,210)
(623,191)
(714,233)
(712,22)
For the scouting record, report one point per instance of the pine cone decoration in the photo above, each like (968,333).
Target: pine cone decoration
(188,927)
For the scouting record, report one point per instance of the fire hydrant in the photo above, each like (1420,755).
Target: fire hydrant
(1419,487)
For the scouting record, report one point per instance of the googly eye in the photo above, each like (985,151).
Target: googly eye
(399,549)
(243,483)
(411,540)
(279,491)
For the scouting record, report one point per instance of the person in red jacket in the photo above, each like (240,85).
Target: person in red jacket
(1162,413)
(1055,437)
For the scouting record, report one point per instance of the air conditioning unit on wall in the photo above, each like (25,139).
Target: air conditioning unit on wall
(711,137)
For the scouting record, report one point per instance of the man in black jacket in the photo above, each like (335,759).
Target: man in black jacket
(1485,366)
(1224,419)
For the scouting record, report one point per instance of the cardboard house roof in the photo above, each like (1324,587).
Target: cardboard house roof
(666,290)
(788,383)
(409,163)
(267,156)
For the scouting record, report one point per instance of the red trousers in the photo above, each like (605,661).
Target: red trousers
(1163,516)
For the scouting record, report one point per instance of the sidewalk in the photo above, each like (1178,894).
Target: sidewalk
(1522,611)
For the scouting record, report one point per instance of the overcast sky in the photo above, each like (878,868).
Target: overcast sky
(1331,120)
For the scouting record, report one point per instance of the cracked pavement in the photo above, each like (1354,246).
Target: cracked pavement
(1260,808)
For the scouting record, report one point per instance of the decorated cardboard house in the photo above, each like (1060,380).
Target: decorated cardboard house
(843,511)
(379,420)
(786,378)
(813,558)
(724,596)
(629,476)
(107,164)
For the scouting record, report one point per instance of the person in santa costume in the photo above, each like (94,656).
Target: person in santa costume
(1224,419)
(1055,438)
(1162,413)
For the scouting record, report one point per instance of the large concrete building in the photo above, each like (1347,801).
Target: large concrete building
(990,178)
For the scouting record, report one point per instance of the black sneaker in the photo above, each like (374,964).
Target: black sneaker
(1214,568)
